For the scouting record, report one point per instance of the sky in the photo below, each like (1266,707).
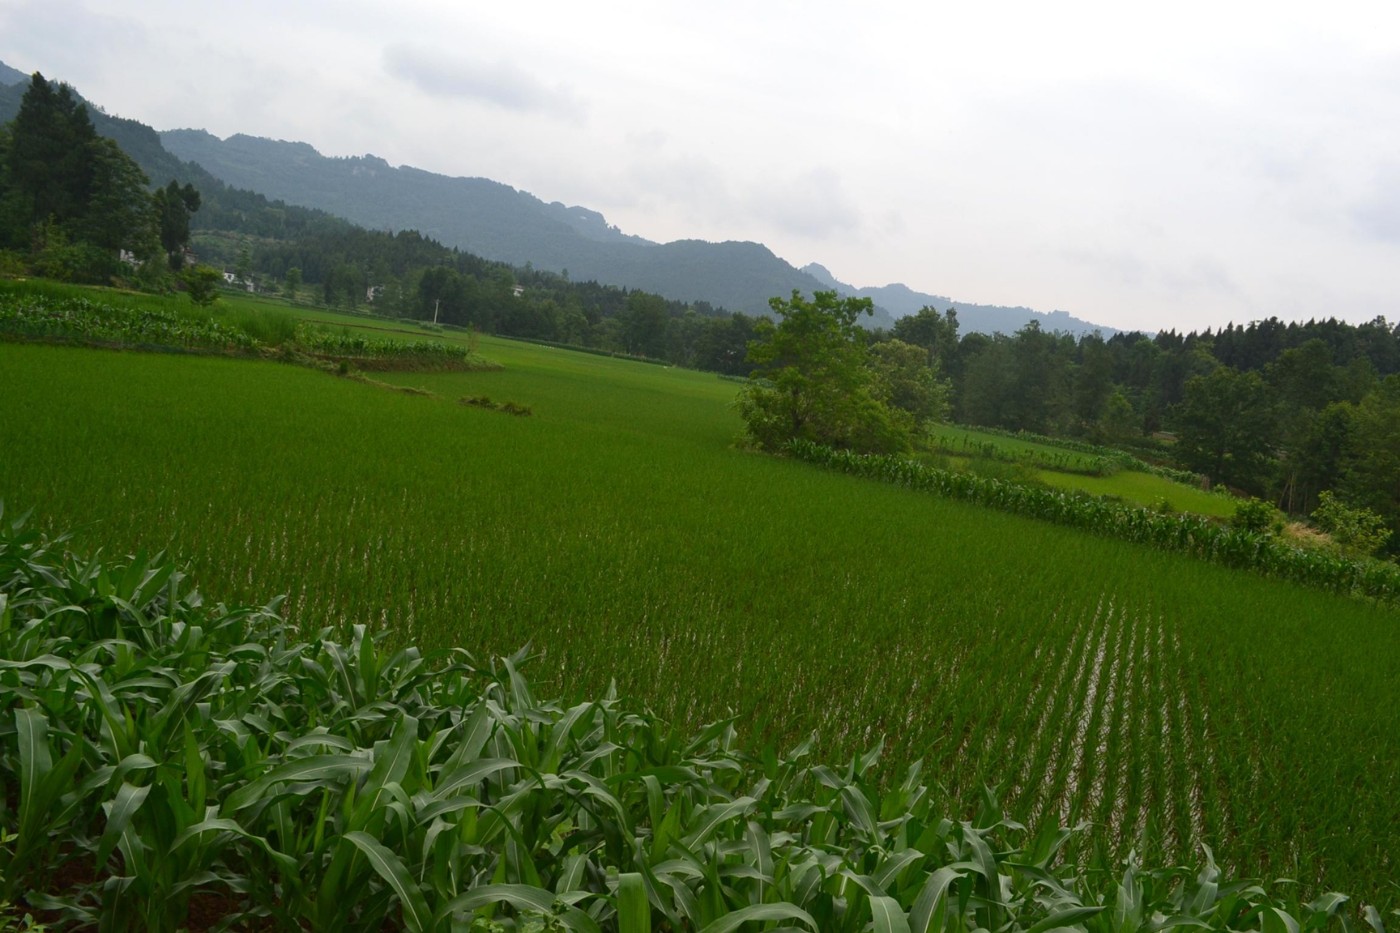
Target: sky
(1142,166)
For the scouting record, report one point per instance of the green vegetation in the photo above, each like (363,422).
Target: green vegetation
(1282,412)
(72,201)
(1145,489)
(813,379)
(41,312)
(1244,544)
(178,760)
(966,441)
(619,532)
(1111,678)
(1356,531)
(1066,463)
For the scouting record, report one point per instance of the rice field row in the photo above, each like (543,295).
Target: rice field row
(619,532)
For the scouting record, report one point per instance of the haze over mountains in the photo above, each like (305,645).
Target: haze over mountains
(10,75)
(498,222)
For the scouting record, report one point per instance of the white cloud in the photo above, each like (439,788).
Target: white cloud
(500,83)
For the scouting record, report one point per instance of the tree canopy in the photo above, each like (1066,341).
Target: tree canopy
(811,379)
(68,197)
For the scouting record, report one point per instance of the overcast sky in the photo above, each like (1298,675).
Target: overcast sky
(1143,166)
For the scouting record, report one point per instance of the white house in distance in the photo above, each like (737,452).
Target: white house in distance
(232,280)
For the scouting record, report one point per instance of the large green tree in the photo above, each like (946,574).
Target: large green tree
(936,333)
(174,205)
(69,199)
(644,325)
(119,213)
(811,379)
(907,381)
(1225,425)
(49,170)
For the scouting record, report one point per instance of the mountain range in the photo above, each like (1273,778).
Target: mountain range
(498,222)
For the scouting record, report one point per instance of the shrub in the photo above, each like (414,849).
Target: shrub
(202,283)
(1253,515)
(1357,531)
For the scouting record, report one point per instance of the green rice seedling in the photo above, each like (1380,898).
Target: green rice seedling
(620,533)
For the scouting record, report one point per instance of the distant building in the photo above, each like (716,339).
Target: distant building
(232,280)
(517,290)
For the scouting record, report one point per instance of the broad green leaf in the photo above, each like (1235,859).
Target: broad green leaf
(932,903)
(517,895)
(716,815)
(759,913)
(391,868)
(633,911)
(1066,918)
(119,813)
(887,916)
(35,763)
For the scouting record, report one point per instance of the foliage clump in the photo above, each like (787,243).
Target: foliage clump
(509,408)
(1254,515)
(74,205)
(1357,531)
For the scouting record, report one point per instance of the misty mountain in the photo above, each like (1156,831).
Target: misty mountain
(900,300)
(496,221)
(10,76)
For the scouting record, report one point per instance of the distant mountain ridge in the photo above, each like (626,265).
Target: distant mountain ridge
(495,221)
(498,222)
(900,300)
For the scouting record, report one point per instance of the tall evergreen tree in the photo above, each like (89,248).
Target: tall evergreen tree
(174,205)
(49,161)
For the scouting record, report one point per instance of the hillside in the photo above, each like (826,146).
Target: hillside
(496,221)
(11,76)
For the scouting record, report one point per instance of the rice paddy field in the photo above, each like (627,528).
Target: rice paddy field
(620,533)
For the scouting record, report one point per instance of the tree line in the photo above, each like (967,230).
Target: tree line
(1280,410)
(1305,415)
